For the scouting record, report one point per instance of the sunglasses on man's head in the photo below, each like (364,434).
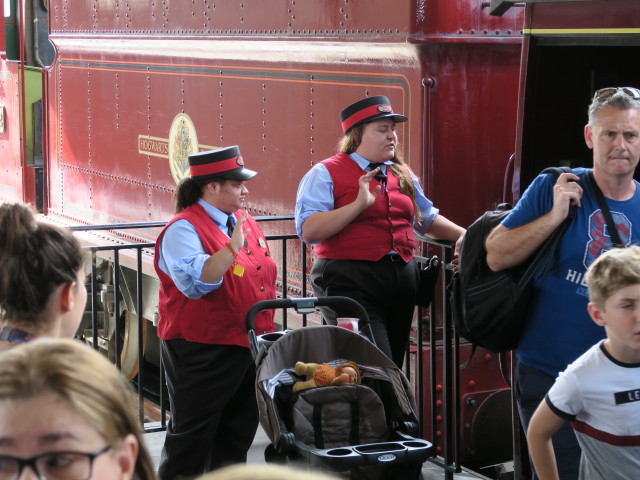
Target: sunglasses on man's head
(605,93)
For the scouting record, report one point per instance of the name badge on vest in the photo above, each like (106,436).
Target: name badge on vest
(238,270)
(261,242)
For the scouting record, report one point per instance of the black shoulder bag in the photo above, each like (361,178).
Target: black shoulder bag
(488,307)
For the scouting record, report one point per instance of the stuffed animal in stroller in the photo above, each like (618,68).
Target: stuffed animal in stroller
(323,374)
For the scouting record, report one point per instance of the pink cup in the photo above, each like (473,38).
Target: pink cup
(348,323)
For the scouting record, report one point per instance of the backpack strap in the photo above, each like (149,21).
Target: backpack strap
(557,171)
(606,212)
(547,250)
(544,253)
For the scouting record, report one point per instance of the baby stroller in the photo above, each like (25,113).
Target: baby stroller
(364,431)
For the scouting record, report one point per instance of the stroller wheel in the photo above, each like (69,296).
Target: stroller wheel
(271,455)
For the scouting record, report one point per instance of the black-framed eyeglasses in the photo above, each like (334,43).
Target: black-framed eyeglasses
(51,466)
(605,93)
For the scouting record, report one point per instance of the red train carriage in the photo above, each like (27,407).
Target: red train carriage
(269,76)
(130,88)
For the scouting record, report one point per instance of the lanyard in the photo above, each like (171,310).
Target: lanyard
(15,335)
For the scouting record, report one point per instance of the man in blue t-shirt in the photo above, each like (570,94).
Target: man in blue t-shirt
(558,328)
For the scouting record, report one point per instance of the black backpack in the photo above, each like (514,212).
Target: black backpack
(489,307)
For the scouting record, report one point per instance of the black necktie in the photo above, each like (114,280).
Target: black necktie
(230,225)
(381,177)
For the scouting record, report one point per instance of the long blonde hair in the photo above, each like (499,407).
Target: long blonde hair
(350,142)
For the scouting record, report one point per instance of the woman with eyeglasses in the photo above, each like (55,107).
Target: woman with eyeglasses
(65,415)
(42,291)
(360,208)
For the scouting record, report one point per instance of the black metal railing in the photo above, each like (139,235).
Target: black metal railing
(442,343)
(441,334)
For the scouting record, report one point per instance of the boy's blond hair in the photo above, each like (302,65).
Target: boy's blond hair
(264,472)
(614,269)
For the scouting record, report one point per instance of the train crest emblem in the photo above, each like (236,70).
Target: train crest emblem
(183,141)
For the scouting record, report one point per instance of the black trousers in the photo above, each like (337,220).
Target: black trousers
(386,289)
(214,414)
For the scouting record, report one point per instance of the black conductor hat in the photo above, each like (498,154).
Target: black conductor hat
(226,163)
(367,110)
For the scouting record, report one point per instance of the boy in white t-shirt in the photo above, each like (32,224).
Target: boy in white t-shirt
(600,392)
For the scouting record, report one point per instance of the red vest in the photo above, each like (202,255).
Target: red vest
(218,317)
(384,226)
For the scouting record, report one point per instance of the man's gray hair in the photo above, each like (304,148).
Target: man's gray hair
(619,100)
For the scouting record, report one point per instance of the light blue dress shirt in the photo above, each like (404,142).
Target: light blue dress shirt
(315,194)
(182,256)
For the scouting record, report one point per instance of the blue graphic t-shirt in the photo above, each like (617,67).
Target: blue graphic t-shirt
(558,328)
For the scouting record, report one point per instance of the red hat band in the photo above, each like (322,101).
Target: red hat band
(216,167)
(364,114)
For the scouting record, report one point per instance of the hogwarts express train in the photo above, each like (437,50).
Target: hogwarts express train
(101,101)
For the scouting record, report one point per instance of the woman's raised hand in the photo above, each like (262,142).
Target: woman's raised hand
(365,196)
(239,234)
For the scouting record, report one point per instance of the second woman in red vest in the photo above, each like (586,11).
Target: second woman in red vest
(360,208)
(213,264)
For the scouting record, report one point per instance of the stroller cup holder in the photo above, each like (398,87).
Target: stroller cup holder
(261,343)
(268,338)
(401,451)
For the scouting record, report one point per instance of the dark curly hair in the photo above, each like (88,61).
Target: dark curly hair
(191,189)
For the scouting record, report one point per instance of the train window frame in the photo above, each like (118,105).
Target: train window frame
(588,63)
(499,7)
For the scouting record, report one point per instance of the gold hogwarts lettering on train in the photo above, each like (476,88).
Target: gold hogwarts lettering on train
(158,147)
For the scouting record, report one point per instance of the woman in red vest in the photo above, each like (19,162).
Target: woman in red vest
(360,208)
(213,264)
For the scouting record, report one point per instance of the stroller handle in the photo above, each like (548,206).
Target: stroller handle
(302,305)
